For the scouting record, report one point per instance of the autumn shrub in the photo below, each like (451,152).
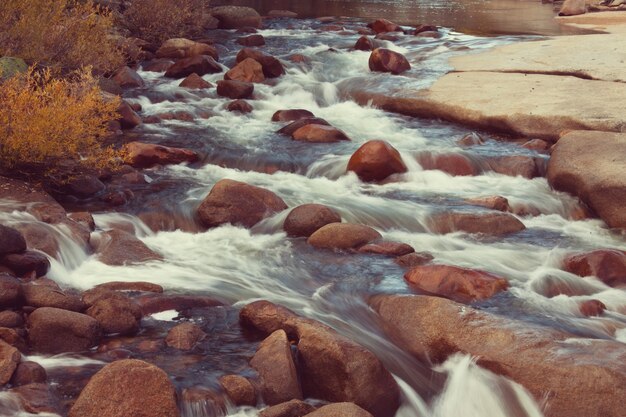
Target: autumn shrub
(63,34)
(159,20)
(46,122)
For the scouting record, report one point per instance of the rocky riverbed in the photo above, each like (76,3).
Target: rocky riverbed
(286,239)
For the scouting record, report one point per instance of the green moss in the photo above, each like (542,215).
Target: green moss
(9,66)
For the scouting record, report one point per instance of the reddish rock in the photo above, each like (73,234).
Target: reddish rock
(11,294)
(83,218)
(9,359)
(292,127)
(252,40)
(387,37)
(240,106)
(277,370)
(471,139)
(131,286)
(340,410)
(364,44)
(37,398)
(239,390)
(429,34)
(152,304)
(591,308)
(376,160)
(116,313)
(158,65)
(387,248)
(343,236)
(490,223)
(52,330)
(179,48)
(204,399)
(304,220)
(27,263)
(127,78)
(291,115)
(247,70)
(117,247)
(195,82)
(331,367)
(385,60)
(383,26)
(459,284)
(235,89)
(425,28)
(414,259)
(11,241)
(145,155)
(293,408)
(126,388)
(238,203)
(47,296)
(314,133)
(538,145)
(234,17)
(515,166)
(608,265)
(201,65)
(575,378)
(452,163)
(10,318)
(184,336)
(495,202)
(299,59)
(274,14)
(272,68)
(13,338)
(28,373)
(573,8)
(128,117)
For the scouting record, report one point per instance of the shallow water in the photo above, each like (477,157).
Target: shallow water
(238,265)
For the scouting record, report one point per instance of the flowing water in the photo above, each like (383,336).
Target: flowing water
(238,265)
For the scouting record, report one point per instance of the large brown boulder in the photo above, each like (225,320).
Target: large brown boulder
(126,388)
(375,160)
(37,398)
(573,8)
(201,65)
(304,220)
(247,70)
(609,265)
(241,106)
(331,367)
(234,17)
(239,390)
(364,44)
(26,263)
(117,247)
(238,203)
(291,115)
(11,294)
(235,89)
(128,117)
(591,166)
(184,336)
(572,379)
(28,372)
(126,77)
(343,236)
(293,408)
(178,48)
(459,284)
(144,155)
(9,359)
(11,240)
(315,133)
(195,82)
(252,40)
(386,60)
(272,67)
(277,370)
(52,330)
(38,295)
(384,26)
(491,223)
(116,313)
(340,410)
(10,318)
(292,127)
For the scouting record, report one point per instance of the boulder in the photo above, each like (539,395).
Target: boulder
(9,360)
(252,40)
(471,139)
(538,145)
(277,370)
(126,77)
(234,17)
(10,318)
(201,65)
(386,60)
(235,89)
(158,65)
(195,82)
(573,8)
(11,294)
(289,129)
(376,160)
(238,203)
(179,48)
(82,186)
(293,408)
(145,155)
(571,378)
(590,165)
(116,313)
(117,247)
(128,117)
(291,115)
(414,259)
(451,163)
(495,202)
(13,338)
(240,106)
(490,223)
(272,68)
(41,295)
(340,410)
(127,387)
(364,44)
(52,330)
(184,336)
(27,263)
(304,220)
(315,133)
(592,308)
(28,372)
(608,265)
(387,248)
(11,241)
(515,166)
(152,304)
(239,390)
(332,368)
(459,284)
(206,401)
(384,26)
(141,286)
(37,398)
(34,201)
(343,236)
(248,70)
(425,28)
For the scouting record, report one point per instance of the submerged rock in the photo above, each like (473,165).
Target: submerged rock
(184,336)
(343,236)
(490,223)
(293,408)
(315,133)
(608,265)
(116,247)
(387,248)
